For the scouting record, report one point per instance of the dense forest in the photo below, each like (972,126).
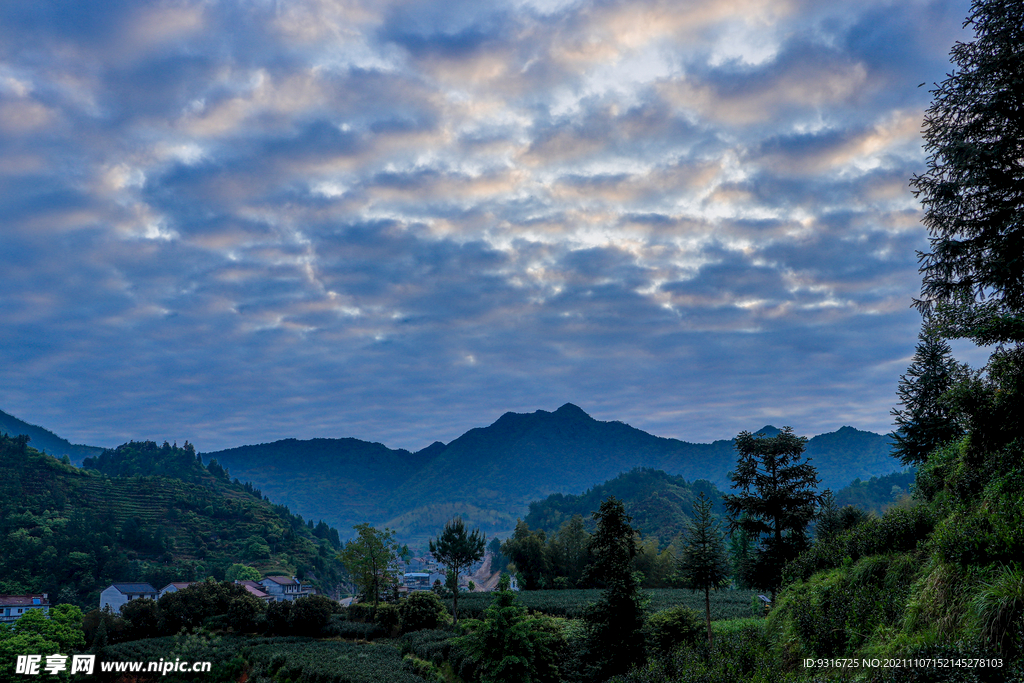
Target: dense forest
(143,513)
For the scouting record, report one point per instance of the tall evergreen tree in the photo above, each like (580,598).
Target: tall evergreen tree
(704,565)
(973,190)
(457,549)
(616,621)
(925,421)
(776,500)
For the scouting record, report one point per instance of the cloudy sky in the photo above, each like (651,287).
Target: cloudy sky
(238,221)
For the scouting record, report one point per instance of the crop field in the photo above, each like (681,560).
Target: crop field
(328,662)
(725,604)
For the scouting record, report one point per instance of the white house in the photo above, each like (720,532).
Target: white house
(282,588)
(120,593)
(174,587)
(12,607)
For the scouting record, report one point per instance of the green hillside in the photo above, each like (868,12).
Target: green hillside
(659,503)
(46,441)
(71,532)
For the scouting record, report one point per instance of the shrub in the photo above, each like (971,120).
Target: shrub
(311,614)
(668,628)
(422,610)
(387,617)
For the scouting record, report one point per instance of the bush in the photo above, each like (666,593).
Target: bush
(671,627)
(387,618)
(309,615)
(422,610)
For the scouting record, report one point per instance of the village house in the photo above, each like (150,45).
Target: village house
(256,590)
(281,588)
(12,607)
(120,593)
(174,587)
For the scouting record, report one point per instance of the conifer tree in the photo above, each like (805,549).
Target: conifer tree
(925,421)
(776,500)
(704,565)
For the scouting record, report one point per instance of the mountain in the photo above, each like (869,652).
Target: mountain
(72,532)
(491,474)
(46,441)
(659,503)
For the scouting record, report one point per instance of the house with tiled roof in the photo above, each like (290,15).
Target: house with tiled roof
(120,593)
(282,588)
(255,590)
(174,587)
(13,607)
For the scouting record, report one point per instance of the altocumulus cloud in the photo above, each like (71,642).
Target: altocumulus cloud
(240,221)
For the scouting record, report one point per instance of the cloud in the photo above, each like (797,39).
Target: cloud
(235,222)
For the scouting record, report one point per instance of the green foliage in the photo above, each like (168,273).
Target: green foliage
(387,618)
(668,628)
(34,634)
(926,420)
(241,572)
(878,494)
(659,503)
(972,191)
(776,501)
(616,620)
(372,560)
(743,653)
(456,549)
(511,647)
(998,608)
(71,530)
(310,614)
(301,660)
(899,530)
(573,603)
(422,610)
(703,565)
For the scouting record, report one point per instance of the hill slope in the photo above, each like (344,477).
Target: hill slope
(46,441)
(77,530)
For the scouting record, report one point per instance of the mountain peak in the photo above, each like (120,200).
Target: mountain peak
(573,411)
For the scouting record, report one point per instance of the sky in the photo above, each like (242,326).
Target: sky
(233,222)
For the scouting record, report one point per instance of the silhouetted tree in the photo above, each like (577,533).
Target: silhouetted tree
(703,565)
(925,421)
(973,190)
(776,500)
(457,549)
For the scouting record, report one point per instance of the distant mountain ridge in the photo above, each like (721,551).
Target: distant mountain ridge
(491,474)
(45,441)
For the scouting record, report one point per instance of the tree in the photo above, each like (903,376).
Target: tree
(776,502)
(457,549)
(973,190)
(925,421)
(615,623)
(509,645)
(371,560)
(527,550)
(828,524)
(704,565)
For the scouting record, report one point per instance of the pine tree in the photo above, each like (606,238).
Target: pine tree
(704,565)
(776,502)
(616,621)
(973,190)
(925,422)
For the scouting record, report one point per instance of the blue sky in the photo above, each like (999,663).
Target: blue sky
(234,222)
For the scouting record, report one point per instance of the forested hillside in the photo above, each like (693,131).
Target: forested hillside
(491,474)
(71,532)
